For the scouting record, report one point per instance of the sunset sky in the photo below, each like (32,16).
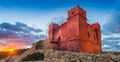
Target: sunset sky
(23,22)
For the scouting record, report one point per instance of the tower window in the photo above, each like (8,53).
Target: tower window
(59,39)
(94,36)
(88,34)
(72,12)
(82,13)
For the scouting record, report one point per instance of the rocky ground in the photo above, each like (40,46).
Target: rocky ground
(65,56)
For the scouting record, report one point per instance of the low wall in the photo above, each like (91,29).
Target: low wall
(65,56)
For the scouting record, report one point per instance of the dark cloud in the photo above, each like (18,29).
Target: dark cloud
(20,33)
(19,27)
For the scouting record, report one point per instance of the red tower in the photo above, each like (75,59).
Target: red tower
(76,34)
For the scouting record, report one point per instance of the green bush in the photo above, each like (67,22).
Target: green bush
(34,57)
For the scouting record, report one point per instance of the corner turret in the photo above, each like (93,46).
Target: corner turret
(51,31)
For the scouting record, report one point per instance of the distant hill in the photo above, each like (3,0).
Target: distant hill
(3,55)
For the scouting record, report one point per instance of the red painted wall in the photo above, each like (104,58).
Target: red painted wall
(76,34)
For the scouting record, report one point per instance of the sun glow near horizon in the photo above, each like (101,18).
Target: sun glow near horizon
(9,49)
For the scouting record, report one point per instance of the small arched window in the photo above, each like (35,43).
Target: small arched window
(59,39)
(72,12)
(88,34)
(94,37)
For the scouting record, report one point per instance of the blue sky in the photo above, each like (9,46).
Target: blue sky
(32,17)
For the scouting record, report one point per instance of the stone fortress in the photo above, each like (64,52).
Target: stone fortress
(75,34)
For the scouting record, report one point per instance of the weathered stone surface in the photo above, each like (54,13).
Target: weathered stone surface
(66,56)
